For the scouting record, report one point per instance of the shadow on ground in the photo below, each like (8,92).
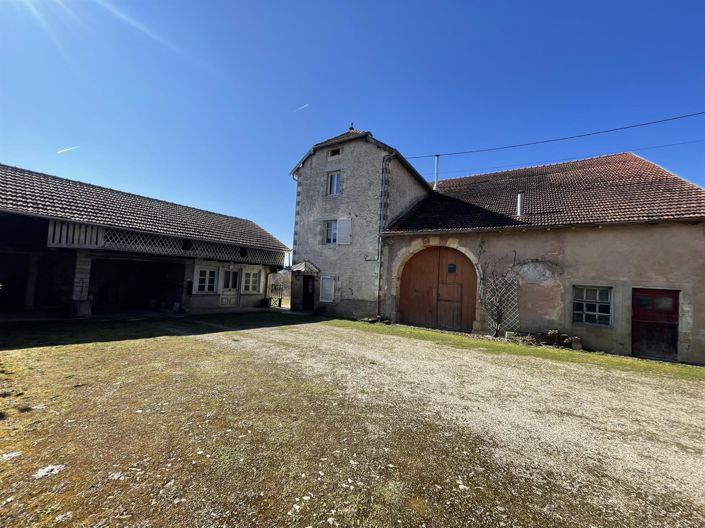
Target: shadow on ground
(32,334)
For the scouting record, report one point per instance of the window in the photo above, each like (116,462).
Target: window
(333,184)
(331,232)
(229,280)
(344,231)
(592,305)
(334,153)
(250,282)
(206,280)
(327,289)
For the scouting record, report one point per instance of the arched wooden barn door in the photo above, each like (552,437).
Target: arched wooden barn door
(438,290)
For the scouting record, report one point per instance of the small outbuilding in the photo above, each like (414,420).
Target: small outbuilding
(72,248)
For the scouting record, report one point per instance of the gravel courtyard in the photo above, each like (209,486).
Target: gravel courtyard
(230,421)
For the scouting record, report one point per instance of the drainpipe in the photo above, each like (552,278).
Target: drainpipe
(382,192)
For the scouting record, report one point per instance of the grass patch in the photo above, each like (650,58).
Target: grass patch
(155,425)
(468,342)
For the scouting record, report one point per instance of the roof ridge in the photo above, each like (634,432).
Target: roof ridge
(344,135)
(95,186)
(565,162)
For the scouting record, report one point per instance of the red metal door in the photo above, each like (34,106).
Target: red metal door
(655,323)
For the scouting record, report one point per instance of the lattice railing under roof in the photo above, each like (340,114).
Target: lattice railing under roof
(76,235)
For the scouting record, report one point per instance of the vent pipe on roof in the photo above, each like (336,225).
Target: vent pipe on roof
(435,171)
(520,203)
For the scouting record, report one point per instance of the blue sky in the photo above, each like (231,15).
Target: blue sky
(211,103)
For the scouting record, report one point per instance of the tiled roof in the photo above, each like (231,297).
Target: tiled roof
(33,193)
(348,135)
(306,267)
(617,188)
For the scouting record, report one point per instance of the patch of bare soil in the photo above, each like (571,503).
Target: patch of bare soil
(311,425)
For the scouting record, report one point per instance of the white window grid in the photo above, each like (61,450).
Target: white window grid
(331,237)
(333,182)
(251,282)
(206,280)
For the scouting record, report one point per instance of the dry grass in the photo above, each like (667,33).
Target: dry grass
(157,424)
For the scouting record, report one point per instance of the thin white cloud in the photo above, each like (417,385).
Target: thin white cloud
(68,149)
(302,107)
(137,25)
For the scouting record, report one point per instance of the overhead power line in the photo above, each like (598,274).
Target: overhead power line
(541,162)
(564,138)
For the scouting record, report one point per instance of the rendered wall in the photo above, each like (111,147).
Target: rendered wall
(210,302)
(548,263)
(354,266)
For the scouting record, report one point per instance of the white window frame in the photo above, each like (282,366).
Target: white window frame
(335,156)
(322,290)
(330,234)
(582,309)
(247,277)
(209,271)
(227,285)
(337,177)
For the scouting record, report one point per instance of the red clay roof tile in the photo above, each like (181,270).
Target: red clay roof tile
(616,188)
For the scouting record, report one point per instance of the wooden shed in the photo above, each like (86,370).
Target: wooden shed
(71,248)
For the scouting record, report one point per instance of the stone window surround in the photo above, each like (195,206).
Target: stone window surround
(622,306)
(338,186)
(331,156)
(609,302)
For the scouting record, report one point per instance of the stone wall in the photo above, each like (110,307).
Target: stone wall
(353,266)
(547,264)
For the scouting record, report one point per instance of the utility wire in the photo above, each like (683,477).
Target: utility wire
(564,138)
(541,162)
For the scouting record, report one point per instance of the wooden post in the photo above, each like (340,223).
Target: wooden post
(81,280)
(30,293)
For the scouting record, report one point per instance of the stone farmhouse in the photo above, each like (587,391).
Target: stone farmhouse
(70,248)
(610,249)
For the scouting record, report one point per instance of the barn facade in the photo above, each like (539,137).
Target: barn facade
(609,249)
(68,248)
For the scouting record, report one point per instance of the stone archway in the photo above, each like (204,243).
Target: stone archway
(438,289)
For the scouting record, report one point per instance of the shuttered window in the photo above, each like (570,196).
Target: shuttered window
(327,289)
(331,232)
(344,231)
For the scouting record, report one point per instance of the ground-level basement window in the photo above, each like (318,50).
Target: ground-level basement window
(250,282)
(592,305)
(206,280)
(327,289)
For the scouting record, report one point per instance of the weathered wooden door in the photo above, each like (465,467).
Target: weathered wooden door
(655,323)
(438,290)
